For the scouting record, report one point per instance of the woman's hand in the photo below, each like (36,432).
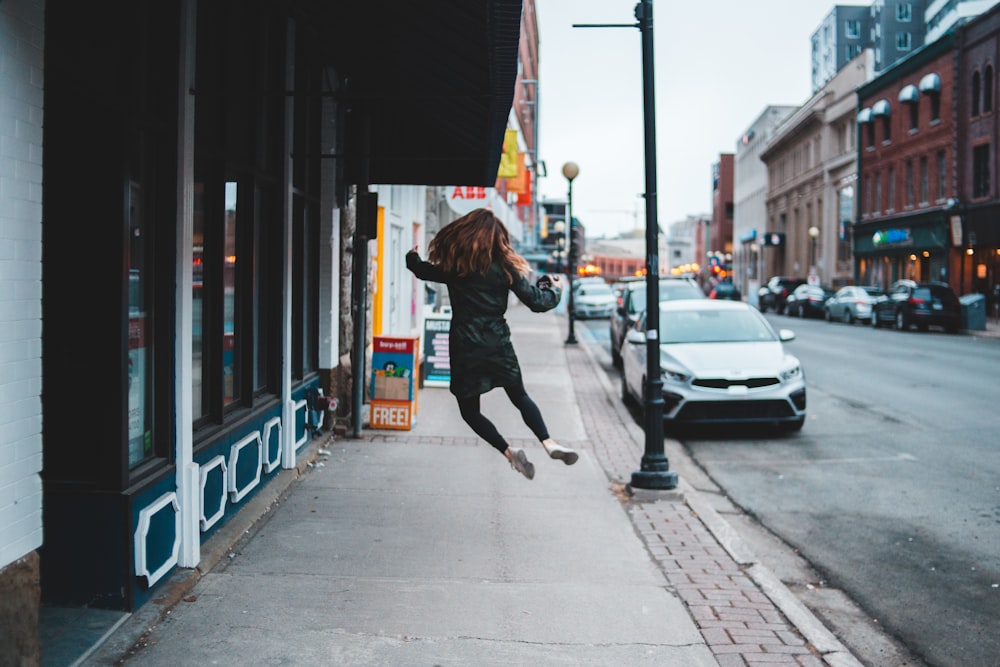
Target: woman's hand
(556,280)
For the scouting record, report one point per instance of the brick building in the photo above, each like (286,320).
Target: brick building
(978,120)
(907,166)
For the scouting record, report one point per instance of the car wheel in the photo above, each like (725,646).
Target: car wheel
(847,317)
(901,323)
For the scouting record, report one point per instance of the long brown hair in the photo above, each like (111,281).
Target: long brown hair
(469,245)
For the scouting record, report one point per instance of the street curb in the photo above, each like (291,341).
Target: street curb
(118,642)
(812,629)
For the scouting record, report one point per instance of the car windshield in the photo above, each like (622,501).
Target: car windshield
(713,326)
(596,290)
(669,292)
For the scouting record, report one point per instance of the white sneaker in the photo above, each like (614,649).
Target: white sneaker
(521,463)
(564,454)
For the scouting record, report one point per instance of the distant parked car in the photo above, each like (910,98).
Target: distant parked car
(807,301)
(721,362)
(593,300)
(852,303)
(923,304)
(632,302)
(725,290)
(772,295)
(580,282)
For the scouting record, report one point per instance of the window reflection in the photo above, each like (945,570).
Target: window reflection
(198,303)
(229,375)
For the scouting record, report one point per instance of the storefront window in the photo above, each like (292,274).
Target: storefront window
(140,367)
(230,380)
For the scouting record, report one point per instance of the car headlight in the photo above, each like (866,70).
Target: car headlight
(791,373)
(674,375)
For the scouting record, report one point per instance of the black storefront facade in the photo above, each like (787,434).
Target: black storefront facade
(199,156)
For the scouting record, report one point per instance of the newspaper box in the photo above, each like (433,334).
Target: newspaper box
(395,365)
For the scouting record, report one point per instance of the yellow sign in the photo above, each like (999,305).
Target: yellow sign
(508,158)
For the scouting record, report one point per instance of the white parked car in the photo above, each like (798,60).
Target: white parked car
(721,363)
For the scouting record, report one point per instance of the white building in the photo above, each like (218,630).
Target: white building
(943,14)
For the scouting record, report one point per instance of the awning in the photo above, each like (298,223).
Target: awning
(909,94)
(425,87)
(881,108)
(931,83)
(864,116)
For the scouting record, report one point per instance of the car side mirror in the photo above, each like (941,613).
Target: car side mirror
(786,335)
(635,337)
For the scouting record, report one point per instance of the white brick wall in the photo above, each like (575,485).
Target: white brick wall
(21,67)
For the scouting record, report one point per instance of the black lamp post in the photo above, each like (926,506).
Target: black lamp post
(570,170)
(654,470)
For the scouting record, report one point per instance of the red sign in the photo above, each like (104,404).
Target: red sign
(400,345)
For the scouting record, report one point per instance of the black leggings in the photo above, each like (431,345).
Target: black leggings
(469,407)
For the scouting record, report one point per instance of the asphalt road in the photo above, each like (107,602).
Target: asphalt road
(892,489)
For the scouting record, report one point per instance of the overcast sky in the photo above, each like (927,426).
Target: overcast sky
(718,64)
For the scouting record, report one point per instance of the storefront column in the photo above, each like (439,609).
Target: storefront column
(188,472)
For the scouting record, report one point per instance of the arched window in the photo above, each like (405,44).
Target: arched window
(976,85)
(988,89)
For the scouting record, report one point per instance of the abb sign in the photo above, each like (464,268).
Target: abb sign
(464,199)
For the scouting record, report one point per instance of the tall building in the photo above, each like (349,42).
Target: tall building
(897,29)
(890,28)
(841,36)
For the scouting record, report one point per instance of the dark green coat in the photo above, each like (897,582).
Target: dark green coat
(481,353)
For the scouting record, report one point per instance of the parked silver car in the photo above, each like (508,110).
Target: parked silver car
(852,303)
(721,363)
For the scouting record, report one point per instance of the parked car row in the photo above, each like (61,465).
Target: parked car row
(907,304)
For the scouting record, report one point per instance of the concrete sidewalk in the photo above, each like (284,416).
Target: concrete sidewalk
(423,547)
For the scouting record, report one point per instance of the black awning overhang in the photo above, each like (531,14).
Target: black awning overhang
(427,89)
